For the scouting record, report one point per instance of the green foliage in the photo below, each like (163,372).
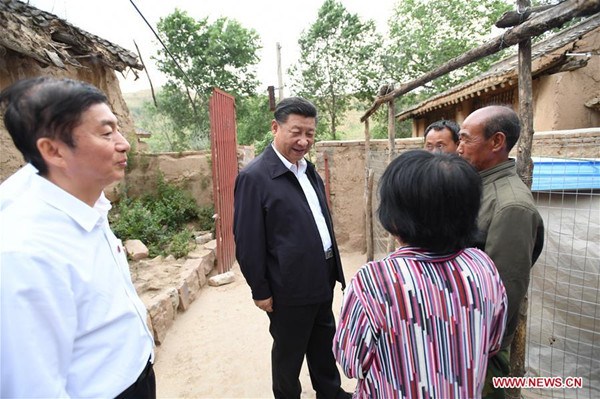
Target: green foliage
(338,62)
(260,145)
(342,62)
(379,129)
(254,121)
(220,54)
(172,206)
(159,220)
(205,218)
(187,121)
(180,244)
(425,34)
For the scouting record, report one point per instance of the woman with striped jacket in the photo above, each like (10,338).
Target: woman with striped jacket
(422,322)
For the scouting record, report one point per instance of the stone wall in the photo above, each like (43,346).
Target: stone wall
(190,170)
(168,286)
(346,175)
(346,182)
(580,143)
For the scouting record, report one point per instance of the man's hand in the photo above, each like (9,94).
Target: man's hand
(265,304)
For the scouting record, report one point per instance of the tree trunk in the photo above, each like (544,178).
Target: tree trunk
(333,106)
(391,153)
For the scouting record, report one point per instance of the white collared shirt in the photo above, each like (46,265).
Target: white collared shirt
(71,323)
(311,196)
(15,184)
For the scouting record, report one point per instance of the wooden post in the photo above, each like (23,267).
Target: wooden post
(368,194)
(279,74)
(525,170)
(524,162)
(369,215)
(391,152)
(391,129)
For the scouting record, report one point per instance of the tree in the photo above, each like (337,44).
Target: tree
(338,62)
(221,54)
(254,121)
(424,34)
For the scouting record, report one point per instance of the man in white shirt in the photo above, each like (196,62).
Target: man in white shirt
(71,323)
(15,184)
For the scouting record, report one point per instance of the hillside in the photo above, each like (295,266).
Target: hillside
(135,100)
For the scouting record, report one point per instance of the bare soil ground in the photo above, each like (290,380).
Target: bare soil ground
(220,347)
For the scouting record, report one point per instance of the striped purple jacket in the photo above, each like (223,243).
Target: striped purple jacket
(417,325)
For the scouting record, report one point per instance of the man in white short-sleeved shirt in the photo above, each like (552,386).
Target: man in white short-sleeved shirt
(71,323)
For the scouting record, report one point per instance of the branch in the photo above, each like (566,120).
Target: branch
(537,25)
(147,74)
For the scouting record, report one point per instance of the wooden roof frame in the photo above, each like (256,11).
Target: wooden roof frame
(546,56)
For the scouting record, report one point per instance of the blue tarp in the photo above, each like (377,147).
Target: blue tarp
(565,174)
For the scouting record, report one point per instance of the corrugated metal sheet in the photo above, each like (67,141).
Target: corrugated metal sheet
(224,171)
(565,174)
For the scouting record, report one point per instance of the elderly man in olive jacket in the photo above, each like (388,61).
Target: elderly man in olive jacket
(511,229)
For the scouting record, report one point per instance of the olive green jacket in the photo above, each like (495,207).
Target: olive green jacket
(511,232)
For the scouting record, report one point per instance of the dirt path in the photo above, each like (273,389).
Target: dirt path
(220,347)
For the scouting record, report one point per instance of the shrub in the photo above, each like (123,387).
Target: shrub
(180,243)
(206,221)
(160,220)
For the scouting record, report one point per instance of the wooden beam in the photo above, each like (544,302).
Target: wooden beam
(514,18)
(369,214)
(391,154)
(537,25)
(571,64)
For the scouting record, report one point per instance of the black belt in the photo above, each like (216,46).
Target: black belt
(329,254)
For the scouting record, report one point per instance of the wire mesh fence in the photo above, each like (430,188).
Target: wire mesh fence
(563,329)
(564,295)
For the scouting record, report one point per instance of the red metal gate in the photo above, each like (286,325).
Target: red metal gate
(224,172)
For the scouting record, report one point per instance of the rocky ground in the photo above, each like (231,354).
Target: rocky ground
(168,286)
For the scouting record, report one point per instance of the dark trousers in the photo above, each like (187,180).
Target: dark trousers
(298,331)
(143,388)
(498,366)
